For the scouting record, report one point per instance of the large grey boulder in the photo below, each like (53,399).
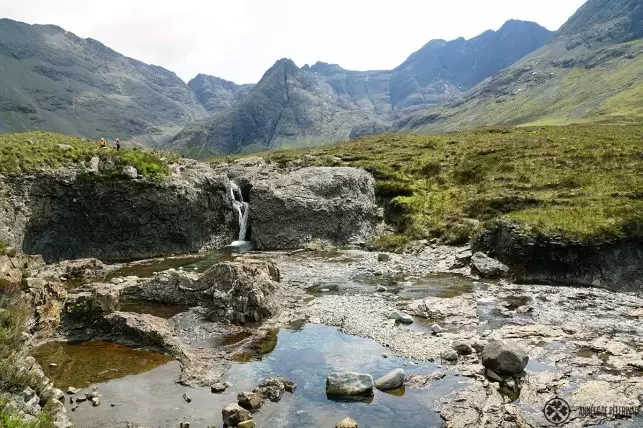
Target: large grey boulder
(488,267)
(241,291)
(334,204)
(346,384)
(391,380)
(504,357)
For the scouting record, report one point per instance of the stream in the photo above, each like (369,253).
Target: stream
(342,326)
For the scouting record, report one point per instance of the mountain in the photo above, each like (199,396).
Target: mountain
(590,72)
(324,103)
(216,94)
(54,80)
(287,106)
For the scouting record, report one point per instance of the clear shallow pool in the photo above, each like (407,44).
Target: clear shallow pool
(306,356)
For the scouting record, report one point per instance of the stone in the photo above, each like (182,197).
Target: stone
(462,347)
(95,401)
(401,317)
(462,258)
(436,329)
(391,380)
(249,401)
(381,289)
(273,388)
(65,147)
(346,423)
(488,267)
(333,204)
(8,273)
(233,414)
(478,345)
(344,384)
(71,390)
(449,355)
(130,172)
(217,388)
(187,398)
(241,291)
(383,257)
(504,357)
(93,164)
(247,424)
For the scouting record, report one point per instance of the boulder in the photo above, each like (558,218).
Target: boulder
(93,164)
(488,267)
(461,259)
(233,414)
(391,380)
(130,172)
(383,257)
(345,384)
(504,357)
(250,401)
(449,355)
(334,204)
(346,423)
(242,291)
(462,347)
(247,424)
(401,317)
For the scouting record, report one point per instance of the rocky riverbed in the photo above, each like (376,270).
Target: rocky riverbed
(350,310)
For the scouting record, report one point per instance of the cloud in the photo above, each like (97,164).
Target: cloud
(240,39)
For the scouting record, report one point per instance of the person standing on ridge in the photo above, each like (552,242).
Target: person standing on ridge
(102,142)
(118,144)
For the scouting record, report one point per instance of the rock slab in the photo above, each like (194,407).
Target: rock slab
(345,384)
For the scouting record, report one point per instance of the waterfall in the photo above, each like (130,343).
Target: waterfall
(243,209)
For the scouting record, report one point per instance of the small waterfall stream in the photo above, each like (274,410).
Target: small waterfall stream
(243,209)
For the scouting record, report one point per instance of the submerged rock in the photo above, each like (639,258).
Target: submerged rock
(391,380)
(217,388)
(233,414)
(344,384)
(504,357)
(273,388)
(335,204)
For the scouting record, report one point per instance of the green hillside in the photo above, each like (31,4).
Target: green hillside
(579,182)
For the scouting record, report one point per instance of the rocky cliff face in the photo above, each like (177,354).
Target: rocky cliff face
(617,265)
(74,214)
(216,94)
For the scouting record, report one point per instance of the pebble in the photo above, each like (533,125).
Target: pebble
(53,365)
(436,329)
(187,398)
(325,290)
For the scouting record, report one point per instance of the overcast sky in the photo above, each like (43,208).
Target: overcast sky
(240,39)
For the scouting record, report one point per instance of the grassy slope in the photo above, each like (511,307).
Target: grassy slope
(40,151)
(604,86)
(582,181)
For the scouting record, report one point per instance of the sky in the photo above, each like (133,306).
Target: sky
(239,40)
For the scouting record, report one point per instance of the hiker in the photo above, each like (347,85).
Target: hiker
(118,144)
(102,142)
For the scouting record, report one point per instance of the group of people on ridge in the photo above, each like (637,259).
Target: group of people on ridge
(103,143)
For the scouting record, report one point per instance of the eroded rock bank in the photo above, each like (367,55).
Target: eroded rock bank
(79,213)
(615,264)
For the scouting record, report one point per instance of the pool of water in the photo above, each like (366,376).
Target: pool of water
(306,355)
(193,263)
(81,364)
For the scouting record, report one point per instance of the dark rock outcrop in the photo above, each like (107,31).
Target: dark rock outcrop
(72,214)
(617,264)
(334,204)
